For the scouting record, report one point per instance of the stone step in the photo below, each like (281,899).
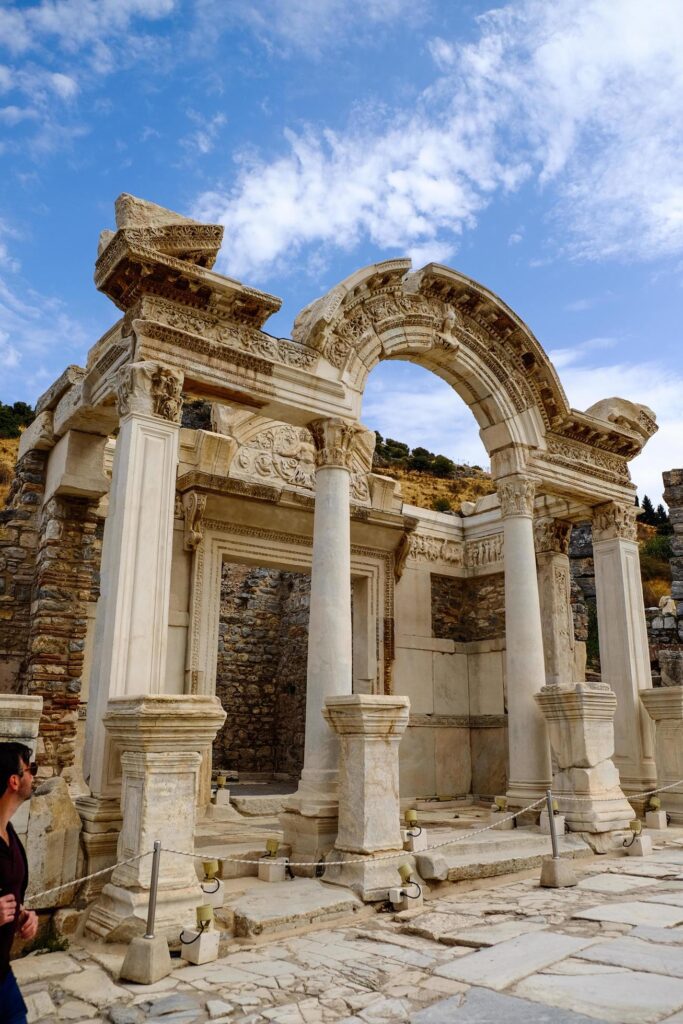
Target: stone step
(252,805)
(278,908)
(495,854)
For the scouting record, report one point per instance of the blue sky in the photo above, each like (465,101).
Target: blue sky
(537,147)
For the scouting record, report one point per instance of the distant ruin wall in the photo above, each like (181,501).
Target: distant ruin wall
(261,669)
(465,610)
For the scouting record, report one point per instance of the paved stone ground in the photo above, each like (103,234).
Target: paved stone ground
(610,949)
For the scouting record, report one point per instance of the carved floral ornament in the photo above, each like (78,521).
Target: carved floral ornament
(148,389)
(552,535)
(335,441)
(516,496)
(614,521)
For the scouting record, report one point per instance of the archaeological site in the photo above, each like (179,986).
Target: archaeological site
(222,630)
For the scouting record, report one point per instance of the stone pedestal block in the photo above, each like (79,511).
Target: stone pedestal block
(199,947)
(147,960)
(560,824)
(214,893)
(640,847)
(272,869)
(162,738)
(369,728)
(656,820)
(580,721)
(497,819)
(665,707)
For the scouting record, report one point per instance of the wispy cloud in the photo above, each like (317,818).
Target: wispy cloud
(580,99)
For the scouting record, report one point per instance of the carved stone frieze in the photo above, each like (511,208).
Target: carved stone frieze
(614,520)
(148,389)
(552,534)
(563,451)
(516,496)
(194,506)
(435,549)
(334,440)
(484,551)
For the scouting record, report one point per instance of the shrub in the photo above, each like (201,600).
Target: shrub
(441,505)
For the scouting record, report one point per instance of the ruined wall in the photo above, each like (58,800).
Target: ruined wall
(67,578)
(19,525)
(261,670)
(468,609)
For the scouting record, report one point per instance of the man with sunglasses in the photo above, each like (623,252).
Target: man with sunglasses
(16,785)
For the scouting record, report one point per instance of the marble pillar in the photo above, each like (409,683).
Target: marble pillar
(580,718)
(132,613)
(624,655)
(369,727)
(529,757)
(665,707)
(161,738)
(551,538)
(310,815)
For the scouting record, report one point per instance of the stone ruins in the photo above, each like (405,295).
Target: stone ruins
(202,572)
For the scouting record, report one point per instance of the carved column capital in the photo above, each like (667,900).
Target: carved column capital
(552,535)
(516,495)
(336,441)
(614,521)
(150,389)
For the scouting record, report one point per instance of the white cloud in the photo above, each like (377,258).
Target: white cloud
(582,98)
(65,86)
(203,139)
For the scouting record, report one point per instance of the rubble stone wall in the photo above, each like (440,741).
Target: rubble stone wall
(19,526)
(468,609)
(261,670)
(67,578)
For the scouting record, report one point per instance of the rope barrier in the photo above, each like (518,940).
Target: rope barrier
(468,834)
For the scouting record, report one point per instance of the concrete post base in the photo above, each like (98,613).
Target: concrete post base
(557,874)
(640,847)
(146,960)
(655,819)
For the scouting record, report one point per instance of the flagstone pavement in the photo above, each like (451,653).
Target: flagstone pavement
(609,949)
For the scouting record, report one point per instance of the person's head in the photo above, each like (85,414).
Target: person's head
(15,763)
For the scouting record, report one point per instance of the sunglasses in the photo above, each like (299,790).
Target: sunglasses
(32,769)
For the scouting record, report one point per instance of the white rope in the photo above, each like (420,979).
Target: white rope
(385,856)
(628,796)
(86,878)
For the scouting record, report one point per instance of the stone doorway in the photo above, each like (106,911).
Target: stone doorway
(261,671)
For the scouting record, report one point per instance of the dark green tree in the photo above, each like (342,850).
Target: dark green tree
(648,515)
(443,466)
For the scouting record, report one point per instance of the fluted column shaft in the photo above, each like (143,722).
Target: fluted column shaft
(529,757)
(624,655)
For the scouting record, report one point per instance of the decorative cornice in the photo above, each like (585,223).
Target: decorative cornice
(613,520)
(516,496)
(148,389)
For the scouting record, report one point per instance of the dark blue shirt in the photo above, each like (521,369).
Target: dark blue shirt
(13,879)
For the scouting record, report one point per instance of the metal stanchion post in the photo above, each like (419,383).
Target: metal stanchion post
(551,823)
(154,882)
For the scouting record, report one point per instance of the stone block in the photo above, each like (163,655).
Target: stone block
(433,867)
(272,869)
(414,844)
(655,819)
(497,818)
(52,842)
(199,947)
(544,823)
(640,847)
(146,960)
(557,873)
(214,893)
(76,466)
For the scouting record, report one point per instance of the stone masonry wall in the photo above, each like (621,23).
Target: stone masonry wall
(66,579)
(261,670)
(19,524)
(468,609)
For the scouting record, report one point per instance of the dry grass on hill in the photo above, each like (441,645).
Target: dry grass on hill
(424,490)
(8,457)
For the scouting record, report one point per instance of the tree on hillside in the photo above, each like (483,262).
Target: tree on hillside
(648,515)
(664,526)
(13,418)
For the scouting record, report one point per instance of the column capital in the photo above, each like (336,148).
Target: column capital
(552,535)
(150,389)
(336,441)
(516,495)
(614,521)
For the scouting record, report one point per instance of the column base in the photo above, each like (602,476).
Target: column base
(371,879)
(102,822)
(310,836)
(120,915)
(521,794)
(602,807)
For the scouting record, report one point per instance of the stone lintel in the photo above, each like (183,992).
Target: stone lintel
(38,436)
(20,718)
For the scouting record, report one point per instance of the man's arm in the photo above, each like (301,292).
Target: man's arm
(28,924)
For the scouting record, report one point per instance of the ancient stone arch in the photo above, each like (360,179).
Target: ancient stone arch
(285,474)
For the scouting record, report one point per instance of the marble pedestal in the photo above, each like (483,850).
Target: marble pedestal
(580,720)
(162,738)
(664,705)
(369,728)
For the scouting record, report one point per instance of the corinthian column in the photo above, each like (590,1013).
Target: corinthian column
(624,655)
(529,757)
(551,537)
(132,613)
(329,669)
